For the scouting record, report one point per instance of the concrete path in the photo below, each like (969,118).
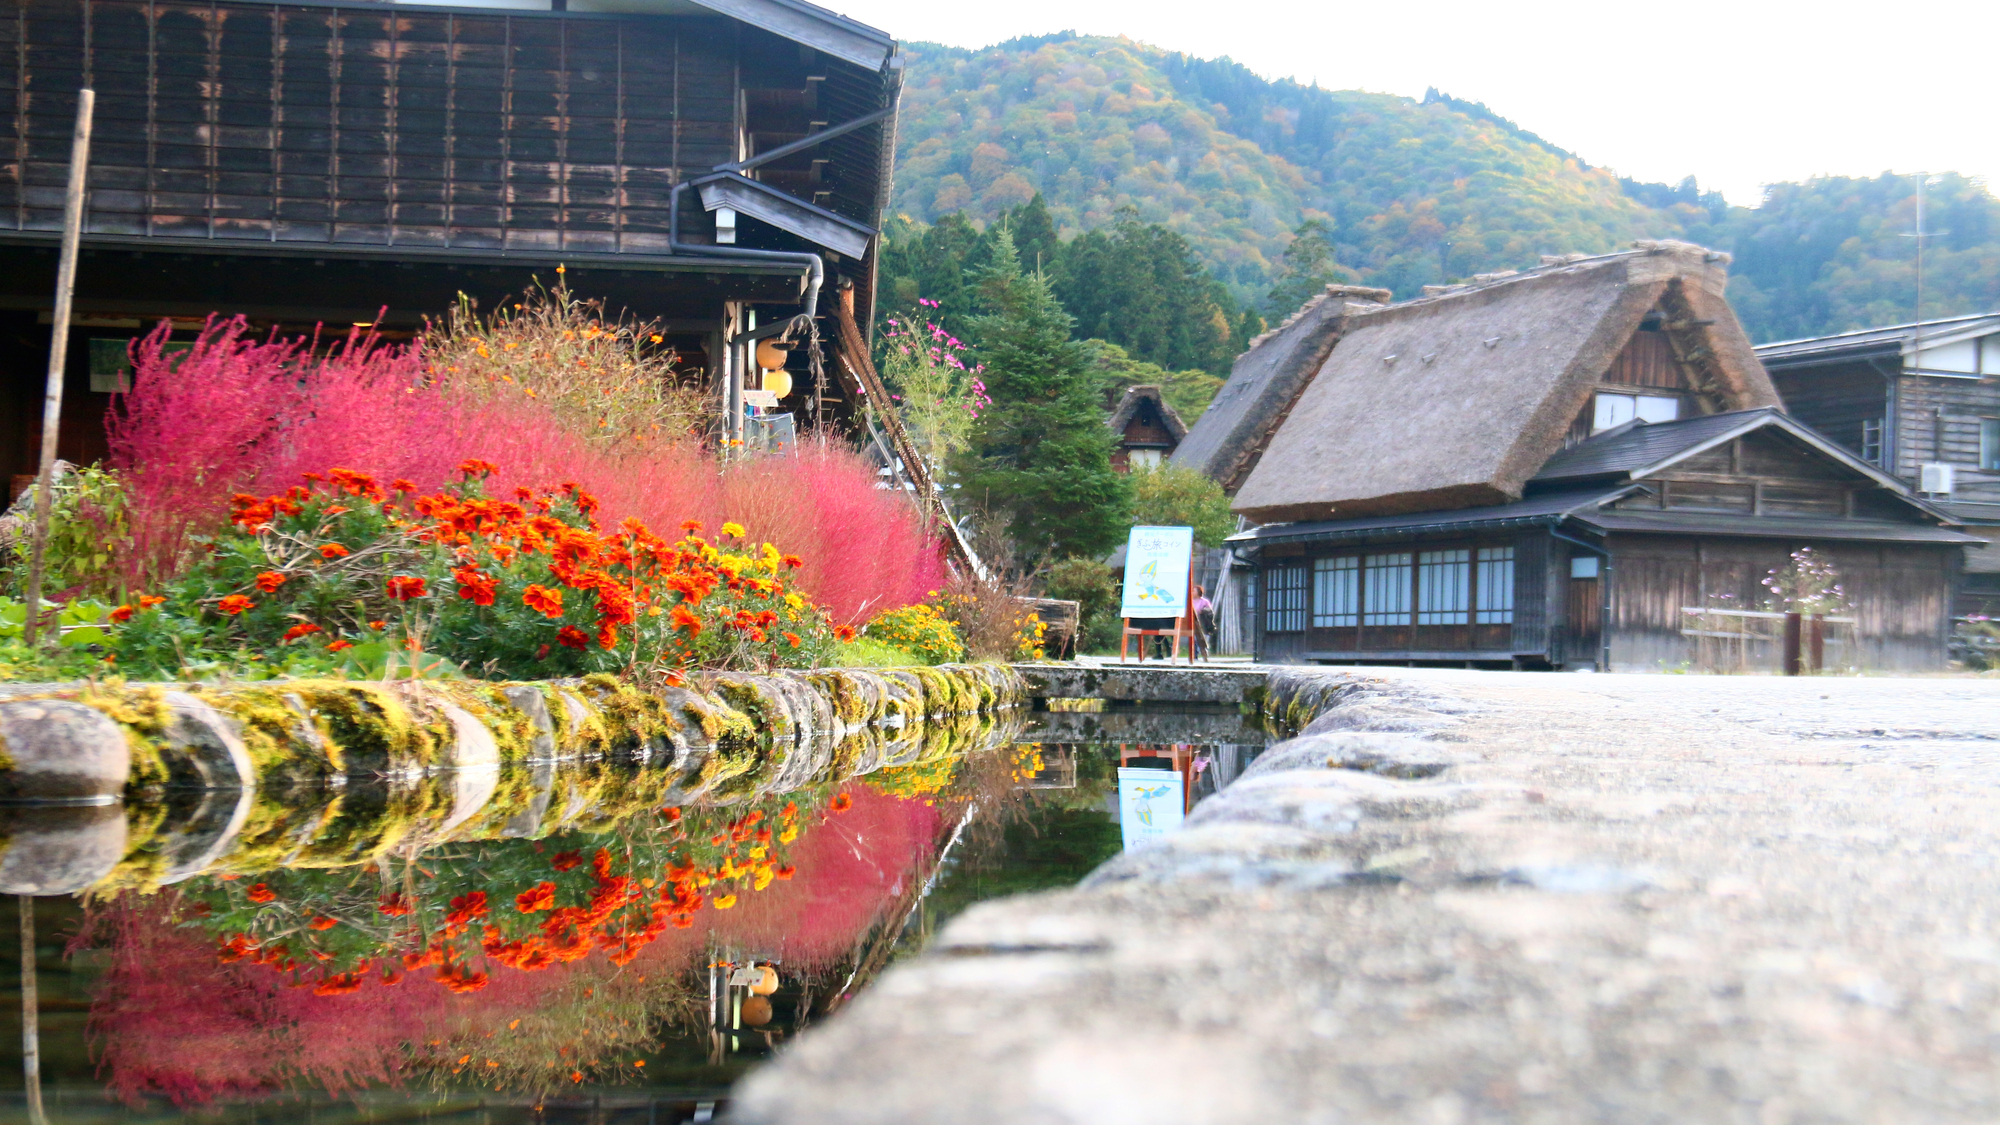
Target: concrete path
(1493,897)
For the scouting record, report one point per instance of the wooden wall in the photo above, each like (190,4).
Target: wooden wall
(1901,595)
(376,126)
(1938,419)
(1836,399)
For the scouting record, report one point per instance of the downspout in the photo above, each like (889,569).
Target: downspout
(1604,592)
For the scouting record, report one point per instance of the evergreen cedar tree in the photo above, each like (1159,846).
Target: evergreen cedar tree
(1410,192)
(1041,454)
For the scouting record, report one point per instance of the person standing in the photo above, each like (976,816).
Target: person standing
(1204,620)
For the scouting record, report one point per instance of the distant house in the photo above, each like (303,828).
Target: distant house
(1923,402)
(1148,429)
(1547,469)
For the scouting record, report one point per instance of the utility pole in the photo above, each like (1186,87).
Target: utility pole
(79,167)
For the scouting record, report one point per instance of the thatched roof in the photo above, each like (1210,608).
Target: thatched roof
(1135,399)
(1266,379)
(1456,399)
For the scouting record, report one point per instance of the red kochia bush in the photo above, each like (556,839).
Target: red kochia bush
(234,414)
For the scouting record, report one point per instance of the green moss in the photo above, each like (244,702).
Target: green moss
(281,819)
(369,820)
(630,718)
(373,727)
(145,859)
(282,743)
(760,702)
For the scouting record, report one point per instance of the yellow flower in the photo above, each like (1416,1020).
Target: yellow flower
(795,601)
(724,902)
(735,529)
(788,835)
(763,879)
(757,852)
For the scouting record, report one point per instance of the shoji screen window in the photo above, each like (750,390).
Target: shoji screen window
(1336,601)
(1285,599)
(1495,583)
(1386,588)
(1444,587)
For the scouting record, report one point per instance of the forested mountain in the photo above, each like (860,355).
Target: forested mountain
(1124,138)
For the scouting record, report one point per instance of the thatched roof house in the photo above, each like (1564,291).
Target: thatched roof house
(1148,428)
(1457,398)
(1264,383)
(1581,465)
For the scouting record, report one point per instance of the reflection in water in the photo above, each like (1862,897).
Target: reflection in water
(590,934)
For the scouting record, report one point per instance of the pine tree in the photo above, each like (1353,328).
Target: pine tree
(1041,454)
(1308,269)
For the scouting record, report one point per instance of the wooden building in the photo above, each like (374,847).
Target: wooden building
(1148,429)
(1549,468)
(715,164)
(1923,402)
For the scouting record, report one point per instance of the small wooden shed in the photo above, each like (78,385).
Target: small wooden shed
(1148,429)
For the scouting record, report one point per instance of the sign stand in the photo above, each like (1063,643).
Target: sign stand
(1159,584)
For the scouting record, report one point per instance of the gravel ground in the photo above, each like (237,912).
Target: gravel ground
(1493,897)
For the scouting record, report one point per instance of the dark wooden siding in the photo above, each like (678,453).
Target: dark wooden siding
(1531,609)
(1900,595)
(384,127)
(1835,399)
(1938,419)
(1647,360)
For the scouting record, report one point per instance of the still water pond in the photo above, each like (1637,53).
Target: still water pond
(627,969)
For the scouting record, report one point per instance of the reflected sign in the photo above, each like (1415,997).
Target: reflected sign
(1151,803)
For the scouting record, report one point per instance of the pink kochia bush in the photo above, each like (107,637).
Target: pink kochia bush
(235,414)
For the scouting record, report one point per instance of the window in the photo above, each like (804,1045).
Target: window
(1496,586)
(1336,592)
(1387,582)
(1444,587)
(1143,459)
(1583,566)
(1989,444)
(1871,439)
(1616,410)
(1285,599)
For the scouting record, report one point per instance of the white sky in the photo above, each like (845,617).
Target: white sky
(1739,94)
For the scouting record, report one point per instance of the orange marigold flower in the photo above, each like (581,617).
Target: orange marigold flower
(844,632)
(122,614)
(544,600)
(793,640)
(572,637)
(473,467)
(541,896)
(378,624)
(692,527)
(148,601)
(842,803)
(404,587)
(304,629)
(259,893)
(393,906)
(341,645)
(784,872)
(269,581)
(566,861)
(402,485)
(235,604)
(323,923)
(607,635)
(332,551)
(793,561)
(474,585)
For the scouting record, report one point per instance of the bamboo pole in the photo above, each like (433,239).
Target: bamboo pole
(31,1014)
(79,168)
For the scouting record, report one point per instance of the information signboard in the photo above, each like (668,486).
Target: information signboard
(1151,803)
(1156,572)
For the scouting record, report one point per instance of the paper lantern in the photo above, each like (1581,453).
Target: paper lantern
(756,1011)
(771,354)
(778,382)
(767,984)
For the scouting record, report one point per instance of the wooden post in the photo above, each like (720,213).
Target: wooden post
(1816,643)
(1792,645)
(31,1014)
(79,167)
